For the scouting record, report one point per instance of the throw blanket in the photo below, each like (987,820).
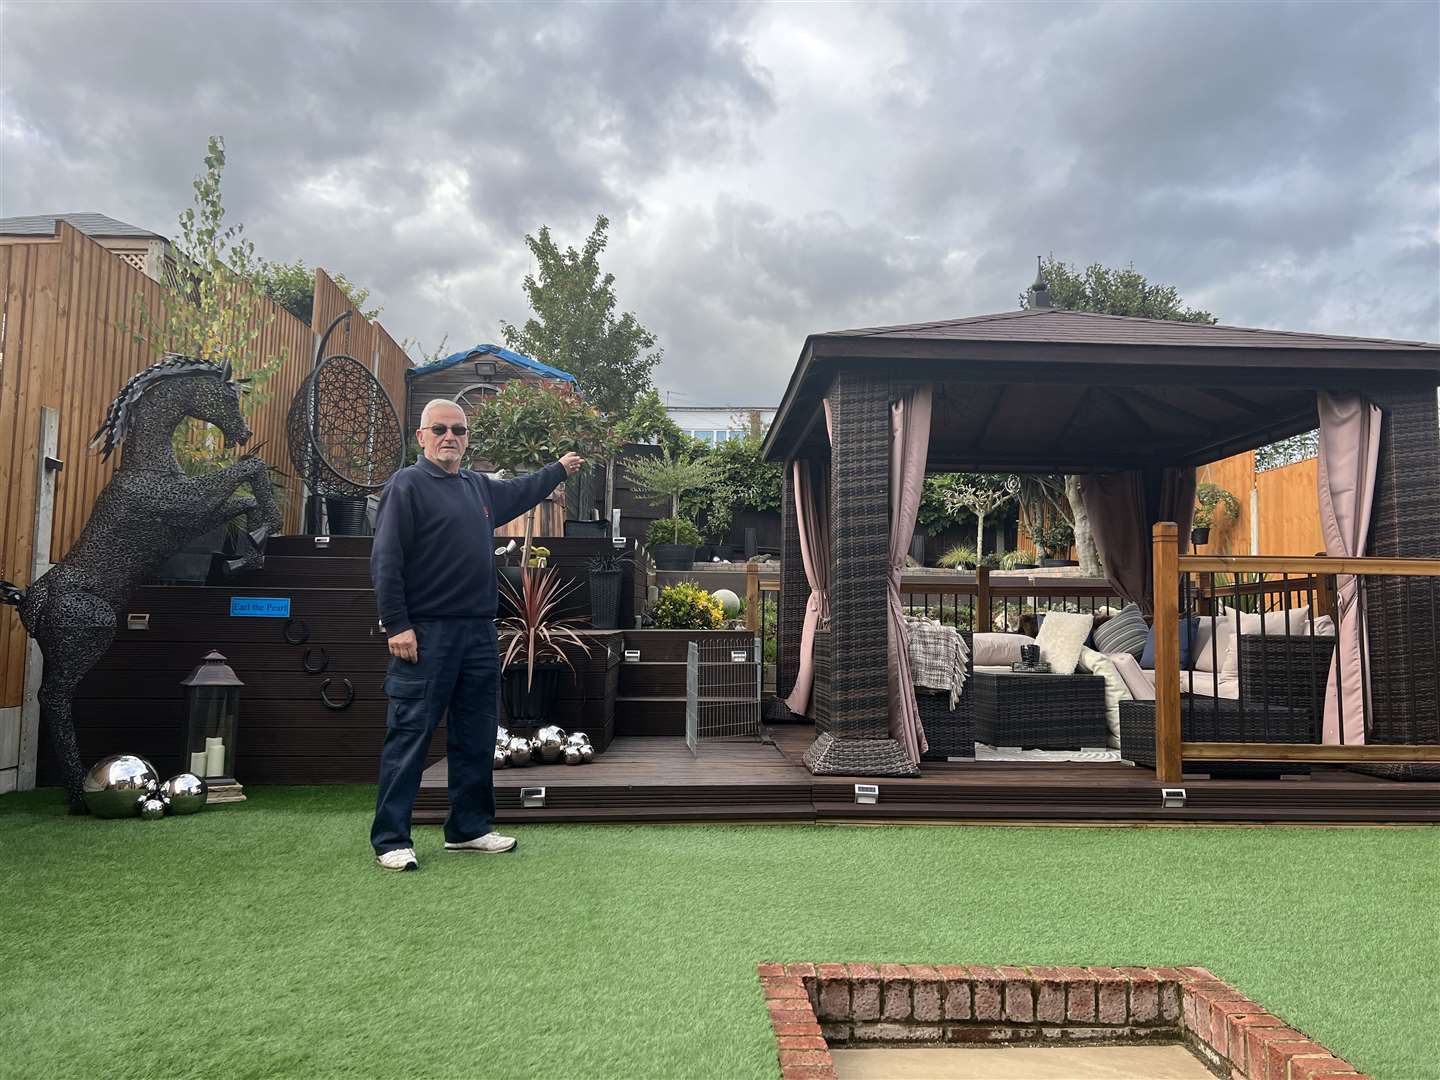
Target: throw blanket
(938,657)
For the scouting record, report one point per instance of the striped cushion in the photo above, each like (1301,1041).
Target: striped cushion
(1123,633)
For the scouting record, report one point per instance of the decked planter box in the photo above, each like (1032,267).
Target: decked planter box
(585,700)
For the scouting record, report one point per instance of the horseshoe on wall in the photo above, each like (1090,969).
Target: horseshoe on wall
(337,705)
(300,635)
(315,667)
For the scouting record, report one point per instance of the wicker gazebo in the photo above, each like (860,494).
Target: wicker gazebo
(1045,390)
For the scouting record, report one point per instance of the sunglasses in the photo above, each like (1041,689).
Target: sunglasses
(458,430)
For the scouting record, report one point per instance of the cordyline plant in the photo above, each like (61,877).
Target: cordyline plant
(536,634)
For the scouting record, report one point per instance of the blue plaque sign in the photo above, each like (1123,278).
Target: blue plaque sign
(260,607)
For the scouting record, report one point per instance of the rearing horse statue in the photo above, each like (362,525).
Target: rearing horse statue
(148,511)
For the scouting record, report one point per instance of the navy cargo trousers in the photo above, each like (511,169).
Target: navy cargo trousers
(457,673)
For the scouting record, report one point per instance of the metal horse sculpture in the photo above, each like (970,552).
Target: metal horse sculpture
(148,511)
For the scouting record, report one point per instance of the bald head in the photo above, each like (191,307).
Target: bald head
(444,448)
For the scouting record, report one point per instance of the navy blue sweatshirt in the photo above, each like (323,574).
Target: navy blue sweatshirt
(433,556)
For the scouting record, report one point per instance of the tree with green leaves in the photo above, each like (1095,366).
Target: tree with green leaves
(1113,292)
(981,494)
(574,326)
(211,307)
(670,477)
(292,287)
(741,480)
(1107,291)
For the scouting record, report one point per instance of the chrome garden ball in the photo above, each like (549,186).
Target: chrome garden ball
(572,755)
(113,785)
(502,758)
(577,738)
(550,741)
(519,751)
(151,807)
(587,754)
(502,736)
(187,793)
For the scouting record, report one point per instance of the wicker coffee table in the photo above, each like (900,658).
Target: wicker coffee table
(1042,712)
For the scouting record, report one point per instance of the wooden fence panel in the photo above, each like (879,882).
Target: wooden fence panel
(1290,509)
(61,345)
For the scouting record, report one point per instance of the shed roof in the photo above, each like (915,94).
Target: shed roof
(518,359)
(88,222)
(1051,390)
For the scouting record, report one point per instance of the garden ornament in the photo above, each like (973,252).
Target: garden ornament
(572,755)
(502,758)
(151,807)
(187,793)
(587,754)
(520,751)
(502,735)
(550,741)
(148,511)
(729,601)
(115,785)
(577,739)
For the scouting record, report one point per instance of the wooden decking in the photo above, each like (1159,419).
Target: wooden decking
(655,779)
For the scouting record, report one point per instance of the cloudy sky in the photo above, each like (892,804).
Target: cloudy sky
(769,170)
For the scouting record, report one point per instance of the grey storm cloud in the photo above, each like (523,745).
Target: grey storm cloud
(769,170)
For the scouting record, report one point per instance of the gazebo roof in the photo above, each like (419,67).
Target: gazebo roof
(1051,390)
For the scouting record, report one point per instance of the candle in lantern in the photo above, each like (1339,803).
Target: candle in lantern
(214,757)
(197,762)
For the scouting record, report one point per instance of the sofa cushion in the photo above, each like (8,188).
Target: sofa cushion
(1124,632)
(1097,663)
(1188,628)
(995,650)
(1061,638)
(1141,687)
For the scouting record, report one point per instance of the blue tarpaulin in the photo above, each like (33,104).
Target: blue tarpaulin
(491,350)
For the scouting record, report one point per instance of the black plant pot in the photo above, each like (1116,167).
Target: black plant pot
(346,515)
(530,706)
(605,588)
(191,564)
(586,528)
(1200,535)
(1023,566)
(673,556)
(1059,562)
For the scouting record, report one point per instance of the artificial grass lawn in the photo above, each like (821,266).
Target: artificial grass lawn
(261,940)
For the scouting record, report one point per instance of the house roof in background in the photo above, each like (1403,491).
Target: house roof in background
(518,359)
(89,223)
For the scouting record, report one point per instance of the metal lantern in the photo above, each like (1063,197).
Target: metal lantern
(212,705)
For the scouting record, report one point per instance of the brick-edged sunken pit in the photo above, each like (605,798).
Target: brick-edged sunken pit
(815,1006)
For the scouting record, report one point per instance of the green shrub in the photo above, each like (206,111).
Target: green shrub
(672,530)
(686,606)
(958,556)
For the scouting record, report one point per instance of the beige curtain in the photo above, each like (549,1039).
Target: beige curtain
(1349,455)
(1123,508)
(909,445)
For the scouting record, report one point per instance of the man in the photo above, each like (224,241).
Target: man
(434,573)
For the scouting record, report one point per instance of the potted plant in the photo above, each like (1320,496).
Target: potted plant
(1054,541)
(672,542)
(959,557)
(607,580)
(686,606)
(533,645)
(670,477)
(1212,504)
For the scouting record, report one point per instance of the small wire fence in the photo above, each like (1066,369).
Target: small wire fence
(722,691)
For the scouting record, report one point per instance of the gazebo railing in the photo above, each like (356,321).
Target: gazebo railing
(1282,670)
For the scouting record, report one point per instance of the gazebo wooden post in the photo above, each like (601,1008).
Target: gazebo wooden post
(1401,613)
(858,742)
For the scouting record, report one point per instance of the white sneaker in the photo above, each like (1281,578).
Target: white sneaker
(399,859)
(491,843)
